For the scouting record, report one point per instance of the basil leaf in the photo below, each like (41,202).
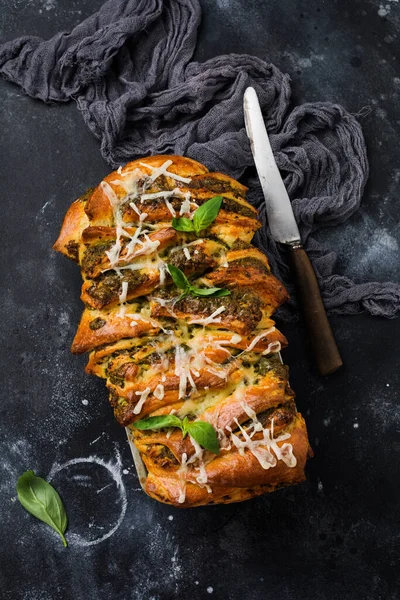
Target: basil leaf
(204,434)
(158,422)
(179,278)
(40,499)
(215,292)
(182,224)
(183,295)
(206,213)
(185,423)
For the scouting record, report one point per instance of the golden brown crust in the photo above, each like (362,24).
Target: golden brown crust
(233,477)
(69,239)
(210,359)
(97,328)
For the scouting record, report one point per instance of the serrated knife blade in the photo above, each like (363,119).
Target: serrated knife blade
(282,224)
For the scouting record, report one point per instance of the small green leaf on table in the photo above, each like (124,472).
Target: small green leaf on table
(40,499)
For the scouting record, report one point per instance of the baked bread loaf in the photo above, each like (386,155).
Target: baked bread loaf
(163,350)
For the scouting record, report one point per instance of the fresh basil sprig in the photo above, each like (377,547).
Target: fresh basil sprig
(183,283)
(202,216)
(40,499)
(204,433)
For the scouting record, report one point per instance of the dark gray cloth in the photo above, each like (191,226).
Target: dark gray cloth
(128,69)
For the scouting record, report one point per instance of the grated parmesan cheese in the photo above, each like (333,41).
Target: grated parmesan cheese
(213,318)
(159,392)
(122,298)
(162,170)
(142,399)
(272,347)
(261,449)
(259,337)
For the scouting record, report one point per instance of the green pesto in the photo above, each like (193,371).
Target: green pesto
(211,183)
(282,414)
(197,263)
(240,245)
(271,363)
(97,323)
(109,285)
(165,453)
(242,305)
(231,206)
(117,378)
(94,255)
(73,250)
(251,262)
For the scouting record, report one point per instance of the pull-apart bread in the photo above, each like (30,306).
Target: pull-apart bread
(211,358)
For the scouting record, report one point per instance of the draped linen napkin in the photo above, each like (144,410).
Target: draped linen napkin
(129,69)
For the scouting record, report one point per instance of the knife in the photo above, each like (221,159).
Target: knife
(283,228)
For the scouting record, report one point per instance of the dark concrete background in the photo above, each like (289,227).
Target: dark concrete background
(331,537)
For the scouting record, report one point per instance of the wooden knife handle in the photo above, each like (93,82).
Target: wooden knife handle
(323,343)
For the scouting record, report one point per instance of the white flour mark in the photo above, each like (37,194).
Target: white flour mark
(210,589)
(381,113)
(63,319)
(104,488)
(224,4)
(170,518)
(44,206)
(49,4)
(176,568)
(85,402)
(384,9)
(383,409)
(305,63)
(356,425)
(97,439)
(85,478)
(114,470)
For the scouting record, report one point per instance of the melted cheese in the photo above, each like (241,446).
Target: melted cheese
(185,206)
(262,449)
(142,216)
(272,347)
(157,171)
(182,370)
(159,392)
(145,318)
(155,195)
(182,471)
(113,254)
(213,318)
(122,298)
(198,463)
(259,337)
(142,399)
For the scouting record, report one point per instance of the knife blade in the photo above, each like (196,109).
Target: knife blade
(284,229)
(282,224)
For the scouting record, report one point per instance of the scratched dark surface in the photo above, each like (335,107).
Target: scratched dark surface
(331,537)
